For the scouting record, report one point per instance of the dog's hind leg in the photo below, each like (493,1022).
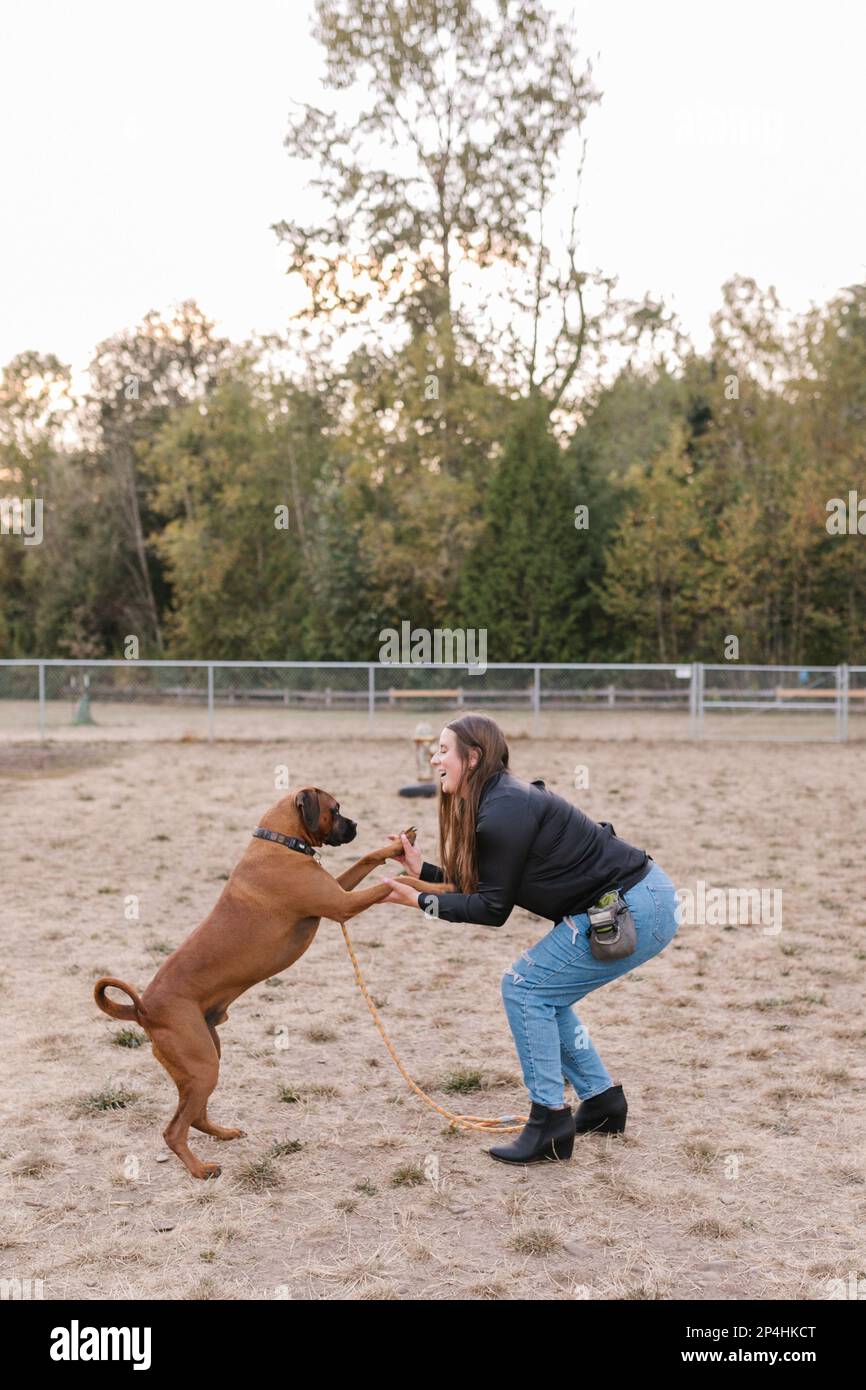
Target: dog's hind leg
(206,1126)
(186,1050)
(202,1123)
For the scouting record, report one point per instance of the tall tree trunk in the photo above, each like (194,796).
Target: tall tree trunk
(141,554)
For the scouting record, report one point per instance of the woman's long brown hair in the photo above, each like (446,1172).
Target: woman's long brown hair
(457,814)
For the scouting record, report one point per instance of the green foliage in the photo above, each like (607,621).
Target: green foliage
(525,580)
(655,558)
(434,474)
(705,491)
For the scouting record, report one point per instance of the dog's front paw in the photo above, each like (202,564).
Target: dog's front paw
(386,852)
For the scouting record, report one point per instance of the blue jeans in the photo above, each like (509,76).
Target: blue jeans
(538,990)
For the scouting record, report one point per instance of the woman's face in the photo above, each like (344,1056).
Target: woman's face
(449,764)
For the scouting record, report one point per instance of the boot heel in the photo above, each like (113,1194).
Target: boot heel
(603,1114)
(610,1125)
(562,1148)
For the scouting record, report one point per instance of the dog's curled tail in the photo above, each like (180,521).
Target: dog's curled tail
(108,1006)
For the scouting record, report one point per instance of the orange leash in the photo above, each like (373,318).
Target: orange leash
(506,1124)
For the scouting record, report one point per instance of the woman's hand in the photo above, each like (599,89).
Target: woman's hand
(407,856)
(401,893)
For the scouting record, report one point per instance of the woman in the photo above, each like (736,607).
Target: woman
(508,843)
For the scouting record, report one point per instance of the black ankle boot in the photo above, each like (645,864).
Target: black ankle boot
(547,1134)
(602,1114)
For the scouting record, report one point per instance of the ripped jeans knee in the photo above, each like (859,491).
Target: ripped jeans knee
(515,975)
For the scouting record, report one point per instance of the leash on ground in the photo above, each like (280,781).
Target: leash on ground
(506,1124)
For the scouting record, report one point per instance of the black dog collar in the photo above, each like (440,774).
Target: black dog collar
(290,841)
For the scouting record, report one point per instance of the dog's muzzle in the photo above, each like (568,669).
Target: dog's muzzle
(343,831)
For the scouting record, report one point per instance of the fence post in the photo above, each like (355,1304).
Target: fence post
(41,699)
(699,700)
(371,696)
(842,688)
(536,699)
(210,703)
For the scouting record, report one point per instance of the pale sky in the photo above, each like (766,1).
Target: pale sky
(143,163)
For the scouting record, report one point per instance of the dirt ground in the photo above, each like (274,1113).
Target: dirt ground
(741,1173)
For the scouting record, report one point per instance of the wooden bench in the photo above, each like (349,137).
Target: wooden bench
(424,695)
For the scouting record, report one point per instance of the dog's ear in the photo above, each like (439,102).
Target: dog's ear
(307,803)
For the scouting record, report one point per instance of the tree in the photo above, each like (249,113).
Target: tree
(450,168)
(655,559)
(523,580)
(239,581)
(136,380)
(34,402)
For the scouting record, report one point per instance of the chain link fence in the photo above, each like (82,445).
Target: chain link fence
(163,700)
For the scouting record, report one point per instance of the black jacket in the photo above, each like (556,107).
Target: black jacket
(537,851)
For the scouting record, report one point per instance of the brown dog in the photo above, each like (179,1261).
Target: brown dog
(264,919)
